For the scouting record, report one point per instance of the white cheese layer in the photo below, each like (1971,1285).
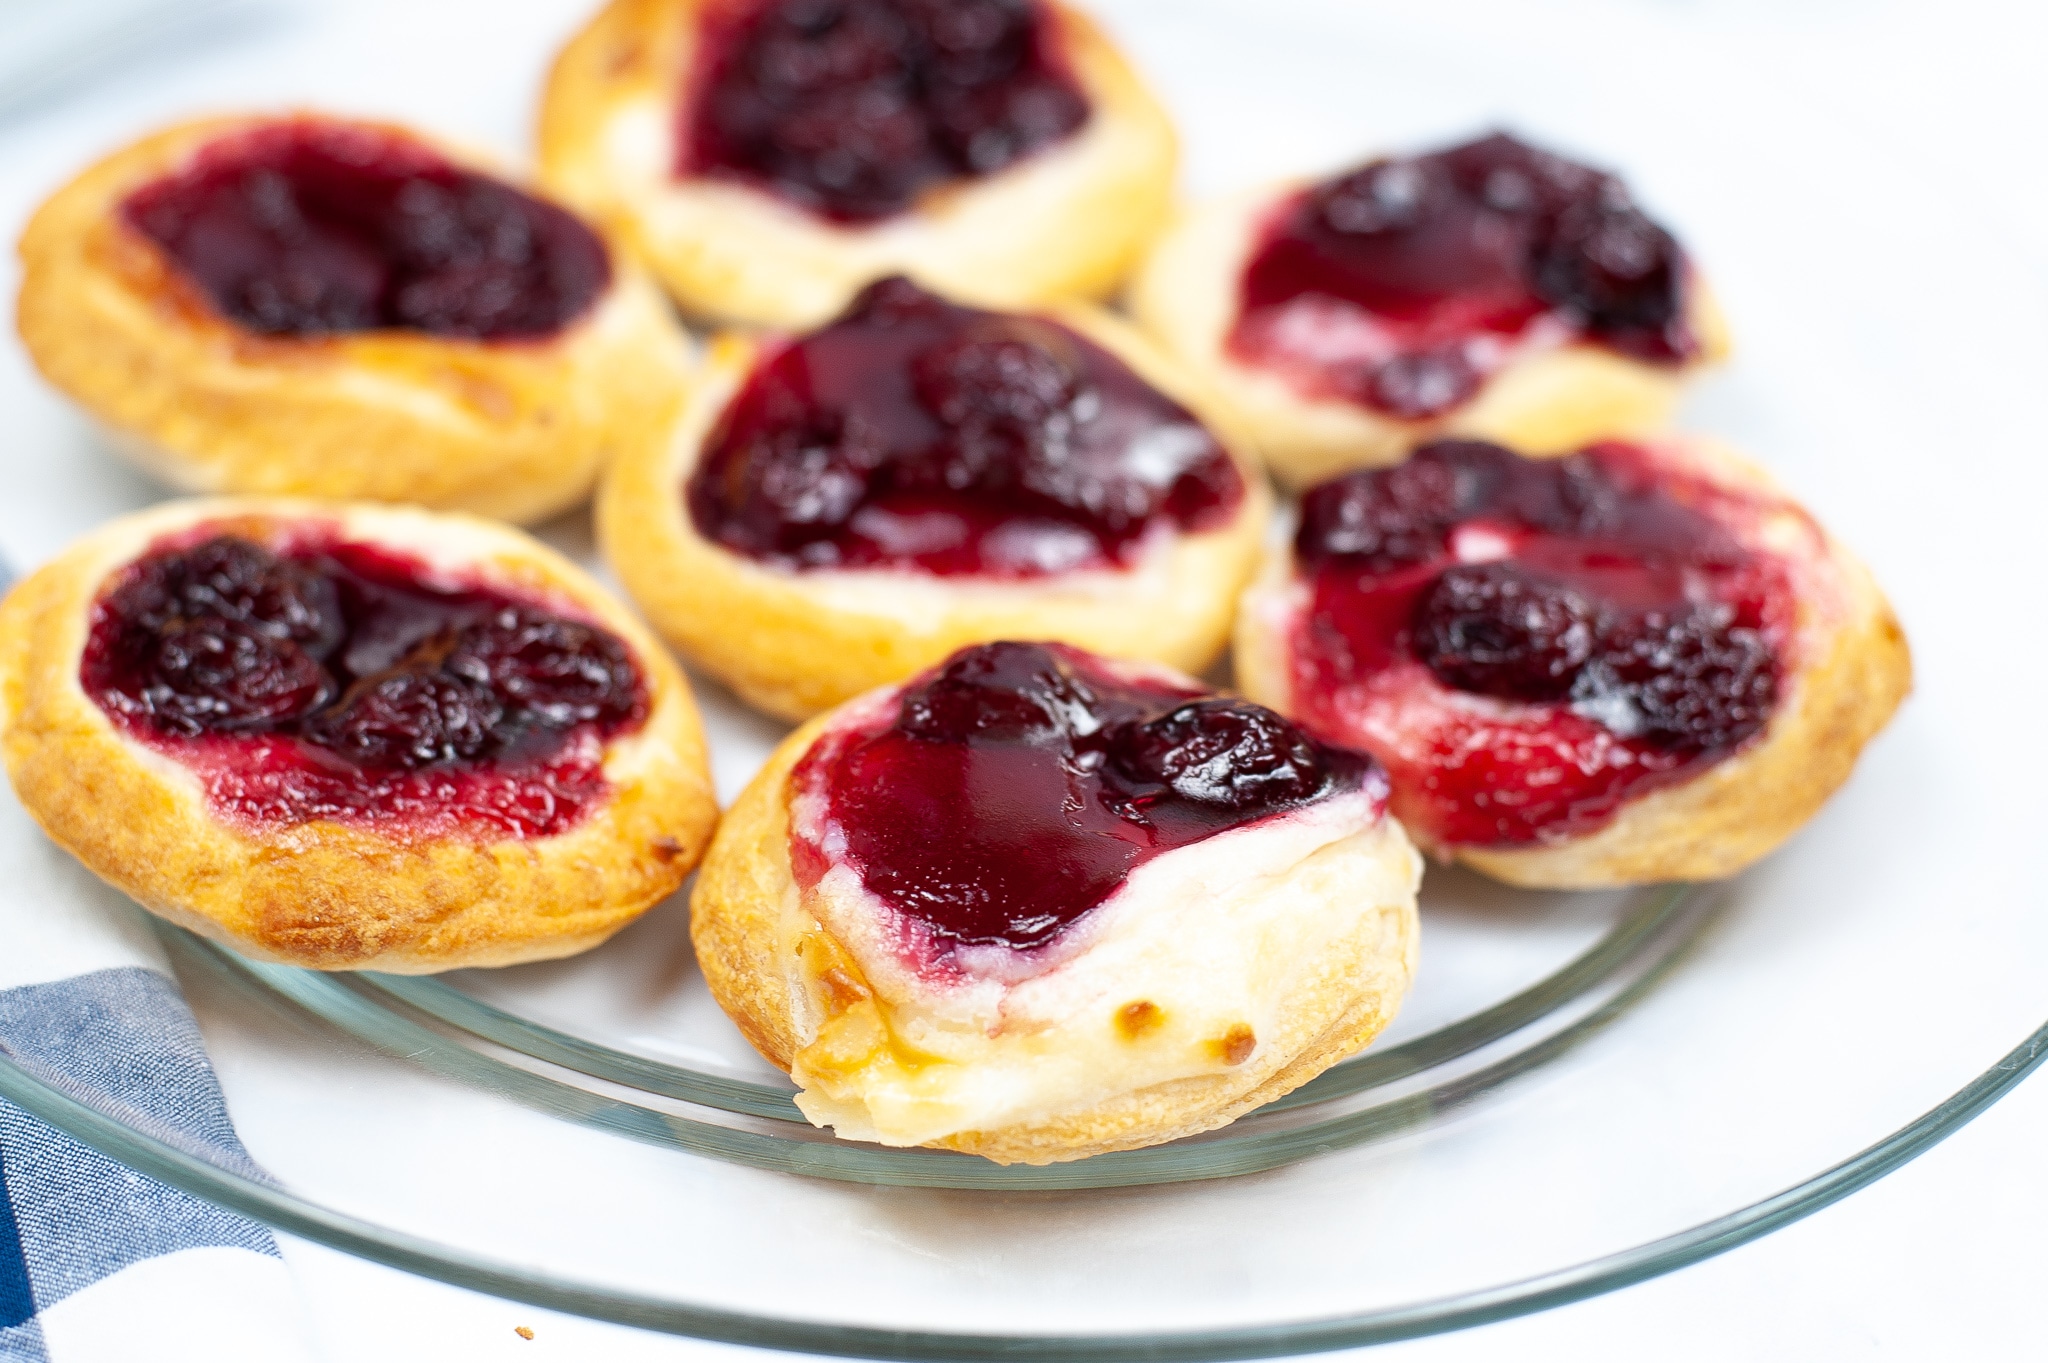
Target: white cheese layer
(1233,954)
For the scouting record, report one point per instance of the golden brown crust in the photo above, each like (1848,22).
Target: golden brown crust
(745,909)
(1545,402)
(516,430)
(324,895)
(1067,222)
(797,643)
(794,992)
(1188,1107)
(1852,668)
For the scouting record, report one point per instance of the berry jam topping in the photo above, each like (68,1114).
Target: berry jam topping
(340,681)
(306,228)
(1493,629)
(1015,787)
(1629,636)
(1404,284)
(853,109)
(913,433)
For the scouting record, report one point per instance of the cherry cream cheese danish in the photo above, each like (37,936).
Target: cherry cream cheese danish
(834,511)
(1640,662)
(770,157)
(1037,905)
(1490,289)
(310,306)
(352,737)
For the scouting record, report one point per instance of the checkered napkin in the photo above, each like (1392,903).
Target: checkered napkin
(99,1264)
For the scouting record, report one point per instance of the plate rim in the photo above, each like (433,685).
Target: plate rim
(278,1207)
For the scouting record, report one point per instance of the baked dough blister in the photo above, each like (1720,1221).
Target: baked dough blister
(794,641)
(1555,391)
(408,886)
(516,429)
(1213,978)
(1841,668)
(1068,220)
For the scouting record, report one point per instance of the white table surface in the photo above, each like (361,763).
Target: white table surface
(1941,1260)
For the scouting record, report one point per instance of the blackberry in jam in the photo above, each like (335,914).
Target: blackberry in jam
(1404,284)
(1495,630)
(853,109)
(331,680)
(309,228)
(916,433)
(1602,599)
(1015,787)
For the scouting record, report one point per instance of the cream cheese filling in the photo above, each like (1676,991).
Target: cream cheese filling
(1228,955)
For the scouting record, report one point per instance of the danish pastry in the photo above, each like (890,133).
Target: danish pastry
(771,157)
(1640,662)
(1491,290)
(1037,905)
(313,306)
(835,511)
(351,736)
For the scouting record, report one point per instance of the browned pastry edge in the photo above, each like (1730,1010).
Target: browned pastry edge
(767,961)
(513,429)
(323,894)
(1546,402)
(1070,221)
(1852,670)
(797,643)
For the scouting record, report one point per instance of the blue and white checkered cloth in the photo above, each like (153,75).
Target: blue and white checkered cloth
(99,1264)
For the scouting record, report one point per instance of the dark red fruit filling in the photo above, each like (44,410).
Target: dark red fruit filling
(1494,629)
(341,681)
(852,109)
(1633,637)
(1405,283)
(914,433)
(307,228)
(1015,788)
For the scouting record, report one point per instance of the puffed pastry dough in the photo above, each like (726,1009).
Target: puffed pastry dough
(1219,977)
(323,894)
(1067,221)
(1847,669)
(515,429)
(794,643)
(1545,401)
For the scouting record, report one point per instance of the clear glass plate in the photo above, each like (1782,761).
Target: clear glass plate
(1583,1091)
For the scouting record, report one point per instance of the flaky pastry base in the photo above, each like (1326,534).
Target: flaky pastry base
(795,643)
(1850,670)
(1069,221)
(327,895)
(800,998)
(1551,401)
(518,430)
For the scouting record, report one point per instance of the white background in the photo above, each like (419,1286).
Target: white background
(1942,1260)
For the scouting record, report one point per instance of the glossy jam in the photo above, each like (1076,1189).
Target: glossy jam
(912,433)
(1525,644)
(1013,789)
(307,228)
(328,680)
(854,109)
(1404,284)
